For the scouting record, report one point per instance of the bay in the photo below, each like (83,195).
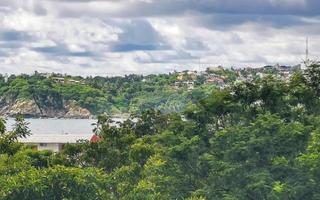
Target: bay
(58,126)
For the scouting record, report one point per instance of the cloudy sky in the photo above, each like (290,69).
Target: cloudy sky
(116,37)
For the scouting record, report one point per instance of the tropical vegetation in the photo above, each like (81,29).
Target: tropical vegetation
(252,140)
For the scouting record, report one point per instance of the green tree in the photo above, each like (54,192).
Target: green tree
(8,139)
(313,76)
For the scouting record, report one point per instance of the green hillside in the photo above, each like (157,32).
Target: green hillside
(112,95)
(254,140)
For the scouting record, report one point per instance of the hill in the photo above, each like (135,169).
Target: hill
(252,140)
(57,95)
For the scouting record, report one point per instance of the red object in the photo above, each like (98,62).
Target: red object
(95,139)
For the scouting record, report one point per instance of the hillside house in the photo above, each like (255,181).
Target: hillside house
(187,75)
(54,142)
(65,81)
(216,80)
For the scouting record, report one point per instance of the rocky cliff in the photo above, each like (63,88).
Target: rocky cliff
(31,108)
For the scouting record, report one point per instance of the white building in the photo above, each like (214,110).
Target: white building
(6,78)
(53,142)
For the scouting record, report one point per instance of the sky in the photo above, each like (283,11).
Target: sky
(117,37)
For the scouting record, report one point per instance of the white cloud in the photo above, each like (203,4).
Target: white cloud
(288,2)
(121,37)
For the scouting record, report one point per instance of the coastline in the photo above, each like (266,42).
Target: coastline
(119,116)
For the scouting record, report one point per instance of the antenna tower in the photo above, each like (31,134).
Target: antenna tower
(307,61)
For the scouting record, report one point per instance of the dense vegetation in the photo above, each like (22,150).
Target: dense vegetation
(112,95)
(253,140)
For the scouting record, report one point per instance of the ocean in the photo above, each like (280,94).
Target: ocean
(58,126)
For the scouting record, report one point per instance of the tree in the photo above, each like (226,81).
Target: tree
(313,76)
(8,140)
(2,126)
(54,183)
(20,128)
(254,140)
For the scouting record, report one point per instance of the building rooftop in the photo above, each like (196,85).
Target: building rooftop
(55,138)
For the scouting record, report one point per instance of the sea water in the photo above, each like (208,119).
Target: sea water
(58,126)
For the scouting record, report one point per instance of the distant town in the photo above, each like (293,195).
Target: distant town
(221,76)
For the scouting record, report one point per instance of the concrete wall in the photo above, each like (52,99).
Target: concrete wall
(55,147)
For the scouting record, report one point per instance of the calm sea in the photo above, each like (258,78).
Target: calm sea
(58,126)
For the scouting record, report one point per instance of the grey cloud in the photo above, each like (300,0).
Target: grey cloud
(11,45)
(178,7)
(139,31)
(40,10)
(153,36)
(165,57)
(62,50)
(133,47)
(4,53)
(195,44)
(11,35)
(138,35)
(256,59)
(220,13)
(229,21)
(73,1)
(217,14)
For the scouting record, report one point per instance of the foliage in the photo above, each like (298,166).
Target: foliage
(254,140)
(8,140)
(54,183)
(112,95)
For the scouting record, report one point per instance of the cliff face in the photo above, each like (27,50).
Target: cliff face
(31,108)
(75,111)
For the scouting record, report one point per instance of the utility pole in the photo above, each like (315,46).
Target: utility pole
(307,61)
(6,78)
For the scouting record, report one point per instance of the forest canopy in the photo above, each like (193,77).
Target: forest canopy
(253,140)
(111,95)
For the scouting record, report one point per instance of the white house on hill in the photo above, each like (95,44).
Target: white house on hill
(53,142)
